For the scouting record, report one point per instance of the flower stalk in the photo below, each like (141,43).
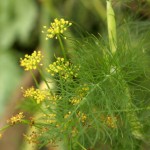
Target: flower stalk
(111,24)
(136,126)
(62,47)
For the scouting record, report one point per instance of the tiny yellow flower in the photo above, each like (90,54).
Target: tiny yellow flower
(75,101)
(50,118)
(56,28)
(111,122)
(63,68)
(32,138)
(16,119)
(74,132)
(31,62)
(82,117)
(54,98)
(37,94)
(0,136)
(81,92)
(67,115)
(29,92)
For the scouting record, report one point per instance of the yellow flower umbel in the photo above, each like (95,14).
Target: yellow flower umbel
(80,94)
(16,119)
(57,27)
(111,122)
(32,138)
(50,118)
(67,115)
(54,98)
(37,94)
(82,117)
(31,62)
(63,68)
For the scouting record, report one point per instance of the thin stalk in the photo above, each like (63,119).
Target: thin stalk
(136,126)
(111,24)
(34,78)
(81,146)
(127,110)
(44,78)
(62,47)
(4,128)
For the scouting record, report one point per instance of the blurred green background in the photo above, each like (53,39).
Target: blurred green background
(21,24)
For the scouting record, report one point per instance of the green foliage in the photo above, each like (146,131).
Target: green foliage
(105,103)
(108,75)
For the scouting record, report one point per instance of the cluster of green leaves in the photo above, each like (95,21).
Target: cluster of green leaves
(118,84)
(118,88)
(109,76)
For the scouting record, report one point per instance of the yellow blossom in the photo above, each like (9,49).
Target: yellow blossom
(80,94)
(110,121)
(63,68)
(82,116)
(75,100)
(51,118)
(33,137)
(74,132)
(40,95)
(16,119)
(56,28)
(0,136)
(31,62)
(67,115)
(83,90)
(54,98)
(37,94)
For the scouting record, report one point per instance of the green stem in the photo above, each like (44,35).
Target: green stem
(136,126)
(128,110)
(111,23)
(34,78)
(4,128)
(81,146)
(62,47)
(44,78)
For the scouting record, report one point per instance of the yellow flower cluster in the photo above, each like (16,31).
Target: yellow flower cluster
(31,62)
(32,138)
(16,119)
(74,132)
(51,118)
(54,98)
(36,94)
(75,100)
(63,68)
(110,121)
(67,115)
(82,116)
(56,28)
(81,92)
